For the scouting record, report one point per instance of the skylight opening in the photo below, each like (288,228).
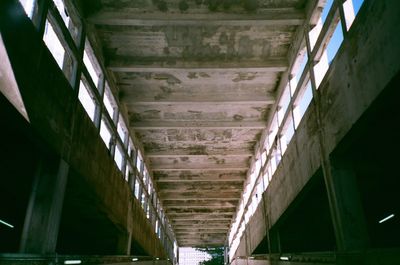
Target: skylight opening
(53,44)
(357,5)
(326,9)
(137,189)
(118,157)
(28,6)
(287,133)
(283,104)
(87,100)
(302,62)
(302,104)
(128,172)
(91,63)
(335,42)
(63,11)
(109,101)
(139,161)
(105,133)
(121,128)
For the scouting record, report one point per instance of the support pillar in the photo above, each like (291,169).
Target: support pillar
(124,243)
(350,225)
(44,210)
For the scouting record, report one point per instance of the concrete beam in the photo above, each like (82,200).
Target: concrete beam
(189,177)
(263,17)
(160,125)
(201,217)
(209,204)
(206,211)
(204,186)
(138,65)
(206,223)
(199,195)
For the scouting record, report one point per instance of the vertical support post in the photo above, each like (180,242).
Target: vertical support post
(44,210)
(39,15)
(123,243)
(349,206)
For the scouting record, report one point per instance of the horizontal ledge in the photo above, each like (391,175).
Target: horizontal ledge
(224,228)
(257,101)
(228,213)
(192,125)
(222,224)
(135,17)
(171,155)
(194,219)
(177,65)
(200,169)
(230,169)
(174,180)
(201,207)
(151,68)
(199,196)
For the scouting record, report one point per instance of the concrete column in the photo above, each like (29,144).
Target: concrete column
(124,243)
(44,210)
(350,225)
(274,243)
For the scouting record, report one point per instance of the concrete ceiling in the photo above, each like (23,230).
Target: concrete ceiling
(198,86)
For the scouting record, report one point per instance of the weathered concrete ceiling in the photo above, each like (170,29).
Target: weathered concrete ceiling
(198,79)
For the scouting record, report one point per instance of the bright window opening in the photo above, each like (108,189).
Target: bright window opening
(302,104)
(265,179)
(91,63)
(302,61)
(334,43)
(283,104)
(139,162)
(86,100)
(118,157)
(143,200)
(273,129)
(287,134)
(321,68)
(128,171)
(54,44)
(105,133)
(137,189)
(121,128)
(326,10)
(349,15)
(62,10)
(357,5)
(28,6)
(109,101)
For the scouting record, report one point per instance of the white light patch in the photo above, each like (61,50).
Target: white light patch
(7,224)
(386,218)
(135,259)
(284,258)
(72,262)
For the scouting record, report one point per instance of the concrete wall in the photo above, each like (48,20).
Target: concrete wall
(364,65)
(61,122)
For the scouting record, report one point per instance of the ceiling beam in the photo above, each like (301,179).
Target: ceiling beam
(201,217)
(214,167)
(173,154)
(161,125)
(203,186)
(200,231)
(179,210)
(263,17)
(198,195)
(138,65)
(209,204)
(197,104)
